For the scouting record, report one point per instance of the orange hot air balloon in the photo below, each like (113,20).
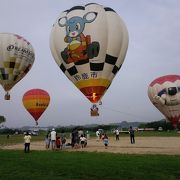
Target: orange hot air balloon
(36,101)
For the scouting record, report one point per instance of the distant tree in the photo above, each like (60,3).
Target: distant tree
(142,125)
(7,131)
(2,119)
(156,124)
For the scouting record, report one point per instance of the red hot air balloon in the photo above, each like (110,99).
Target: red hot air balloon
(164,93)
(36,101)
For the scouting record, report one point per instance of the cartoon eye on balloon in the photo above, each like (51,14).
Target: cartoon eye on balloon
(164,93)
(36,101)
(89,44)
(16,59)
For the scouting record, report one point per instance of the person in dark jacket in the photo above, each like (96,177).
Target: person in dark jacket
(131,132)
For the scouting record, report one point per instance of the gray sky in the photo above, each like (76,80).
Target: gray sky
(154,41)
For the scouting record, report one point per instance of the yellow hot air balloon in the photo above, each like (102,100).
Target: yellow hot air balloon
(164,93)
(89,44)
(16,59)
(36,101)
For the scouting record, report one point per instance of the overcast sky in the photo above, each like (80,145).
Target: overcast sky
(154,50)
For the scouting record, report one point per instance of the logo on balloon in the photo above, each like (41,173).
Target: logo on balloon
(20,50)
(79,45)
(42,104)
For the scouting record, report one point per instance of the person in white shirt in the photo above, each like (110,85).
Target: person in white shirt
(53,139)
(117,134)
(97,135)
(27,141)
(83,141)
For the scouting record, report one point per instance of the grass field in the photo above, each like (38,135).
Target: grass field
(14,139)
(15,164)
(78,165)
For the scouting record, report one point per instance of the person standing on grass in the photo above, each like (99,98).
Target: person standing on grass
(49,138)
(83,140)
(27,140)
(63,140)
(117,134)
(131,132)
(46,141)
(58,142)
(105,140)
(97,135)
(53,139)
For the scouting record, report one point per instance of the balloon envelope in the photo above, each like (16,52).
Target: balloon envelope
(164,93)
(36,101)
(89,44)
(16,59)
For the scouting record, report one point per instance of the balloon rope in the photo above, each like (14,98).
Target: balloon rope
(129,114)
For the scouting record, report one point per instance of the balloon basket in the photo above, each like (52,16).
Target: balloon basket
(7,96)
(94,111)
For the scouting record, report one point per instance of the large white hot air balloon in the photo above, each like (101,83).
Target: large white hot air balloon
(89,44)
(16,59)
(164,93)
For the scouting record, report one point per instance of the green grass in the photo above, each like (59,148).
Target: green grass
(158,133)
(14,139)
(81,166)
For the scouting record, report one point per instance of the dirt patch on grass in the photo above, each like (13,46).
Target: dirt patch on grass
(143,145)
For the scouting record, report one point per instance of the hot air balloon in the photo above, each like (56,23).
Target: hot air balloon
(164,93)
(36,101)
(16,59)
(89,44)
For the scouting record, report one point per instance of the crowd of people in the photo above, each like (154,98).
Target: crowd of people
(54,141)
(78,139)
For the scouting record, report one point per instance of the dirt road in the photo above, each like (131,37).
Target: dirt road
(143,145)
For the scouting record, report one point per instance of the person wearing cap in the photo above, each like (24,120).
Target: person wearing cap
(27,140)
(53,139)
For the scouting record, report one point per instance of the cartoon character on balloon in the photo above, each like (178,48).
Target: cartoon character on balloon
(79,46)
(169,96)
